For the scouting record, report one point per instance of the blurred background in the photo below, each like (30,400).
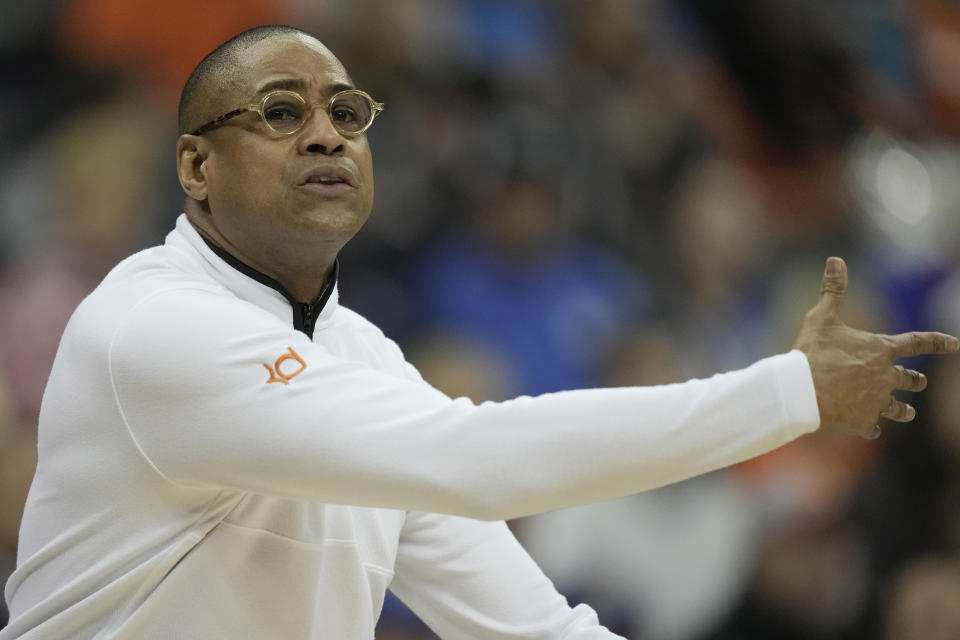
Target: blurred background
(573,194)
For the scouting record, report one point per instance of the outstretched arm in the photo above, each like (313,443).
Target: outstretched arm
(192,375)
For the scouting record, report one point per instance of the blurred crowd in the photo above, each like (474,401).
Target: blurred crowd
(573,193)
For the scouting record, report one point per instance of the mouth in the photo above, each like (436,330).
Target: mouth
(328,180)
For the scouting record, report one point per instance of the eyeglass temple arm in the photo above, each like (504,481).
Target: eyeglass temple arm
(213,124)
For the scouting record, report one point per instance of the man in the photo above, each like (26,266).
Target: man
(227,453)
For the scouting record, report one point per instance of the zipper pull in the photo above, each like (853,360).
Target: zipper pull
(308,316)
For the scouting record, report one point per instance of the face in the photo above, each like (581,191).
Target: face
(262,191)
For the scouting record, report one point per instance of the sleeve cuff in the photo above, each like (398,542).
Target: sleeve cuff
(797,392)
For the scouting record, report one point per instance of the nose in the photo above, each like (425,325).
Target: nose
(319,136)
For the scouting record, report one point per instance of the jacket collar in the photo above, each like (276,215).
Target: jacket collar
(253,286)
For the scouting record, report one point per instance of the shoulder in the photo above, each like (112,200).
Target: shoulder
(353,334)
(157,267)
(347,319)
(151,289)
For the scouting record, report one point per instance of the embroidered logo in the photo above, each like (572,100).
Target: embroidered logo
(278,375)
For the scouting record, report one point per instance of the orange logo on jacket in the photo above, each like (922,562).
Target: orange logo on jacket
(278,375)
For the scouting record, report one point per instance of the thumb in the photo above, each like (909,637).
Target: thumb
(833,287)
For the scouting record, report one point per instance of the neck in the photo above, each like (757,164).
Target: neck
(304,274)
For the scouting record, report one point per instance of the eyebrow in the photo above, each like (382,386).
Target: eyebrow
(293,84)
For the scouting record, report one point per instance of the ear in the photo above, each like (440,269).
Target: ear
(192,152)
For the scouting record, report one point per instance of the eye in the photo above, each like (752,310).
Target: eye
(283,112)
(343,113)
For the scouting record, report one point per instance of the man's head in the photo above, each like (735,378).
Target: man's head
(265,197)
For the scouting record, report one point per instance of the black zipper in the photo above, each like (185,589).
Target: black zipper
(304,313)
(307,319)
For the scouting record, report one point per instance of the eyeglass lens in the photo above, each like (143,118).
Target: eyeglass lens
(349,112)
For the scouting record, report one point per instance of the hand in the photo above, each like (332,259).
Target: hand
(854,375)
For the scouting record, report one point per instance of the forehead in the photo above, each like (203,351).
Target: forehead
(290,57)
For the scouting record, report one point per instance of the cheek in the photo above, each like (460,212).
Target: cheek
(243,177)
(365,165)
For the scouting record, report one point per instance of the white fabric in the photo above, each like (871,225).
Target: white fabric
(179,494)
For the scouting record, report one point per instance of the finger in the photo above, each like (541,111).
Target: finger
(909,380)
(915,343)
(899,411)
(833,287)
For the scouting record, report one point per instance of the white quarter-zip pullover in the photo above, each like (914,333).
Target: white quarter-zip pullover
(207,471)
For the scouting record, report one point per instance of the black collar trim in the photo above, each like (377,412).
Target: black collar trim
(304,313)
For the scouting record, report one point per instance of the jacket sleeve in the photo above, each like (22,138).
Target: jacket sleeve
(216,392)
(469,579)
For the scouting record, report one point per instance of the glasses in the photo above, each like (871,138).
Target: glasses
(285,112)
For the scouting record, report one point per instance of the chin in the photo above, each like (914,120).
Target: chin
(332,223)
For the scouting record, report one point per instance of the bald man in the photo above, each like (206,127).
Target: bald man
(225,452)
